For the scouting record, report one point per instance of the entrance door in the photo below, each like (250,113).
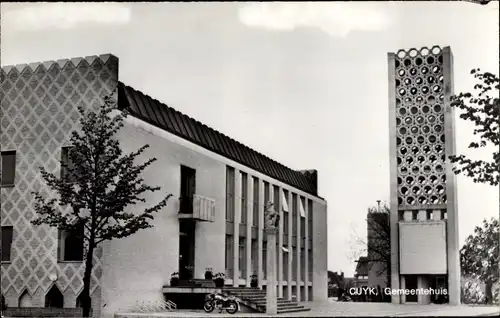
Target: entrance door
(186,249)
(188,189)
(411,284)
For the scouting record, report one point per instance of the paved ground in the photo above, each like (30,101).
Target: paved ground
(332,308)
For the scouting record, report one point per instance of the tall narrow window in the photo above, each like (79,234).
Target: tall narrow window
(255,202)
(255,264)
(229,255)
(71,245)
(67,164)
(264,259)
(294,218)
(230,194)
(8,168)
(242,256)
(54,298)
(188,189)
(310,222)
(310,260)
(276,198)
(7,235)
(244,198)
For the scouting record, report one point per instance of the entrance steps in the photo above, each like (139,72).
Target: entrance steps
(255,298)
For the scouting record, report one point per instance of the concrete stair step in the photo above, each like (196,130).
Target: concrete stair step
(280,301)
(290,310)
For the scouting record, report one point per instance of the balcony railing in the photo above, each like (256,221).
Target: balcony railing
(197,207)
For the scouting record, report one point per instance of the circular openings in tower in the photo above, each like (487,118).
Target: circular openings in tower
(407,100)
(441,118)
(410,200)
(398,160)
(440,59)
(441,97)
(431,79)
(439,168)
(414,110)
(427,189)
(414,150)
(434,179)
(403,151)
(416,190)
(408,140)
(432,139)
(437,108)
(400,201)
(432,158)
(398,141)
(419,61)
(444,199)
(439,149)
(422,200)
(421,179)
(442,138)
(414,130)
(441,79)
(443,158)
(413,52)
(426,149)
(407,81)
(409,160)
(398,121)
(408,120)
(413,71)
(404,190)
(436,50)
(424,51)
(402,111)
(440,189)
(438,128)
(420,139)
(425,90)
(413,90)
(401,72)
(400,180)
(407,62)
(431,99)
(425,109)
(426,129)
(397,63)
(431,118)
(424,70)
(401,54)
(409,180)
(443,178)
(414,170)
(398,102)
(436,69)
(420,120)
(419,100)
(398,83)
(436,88)
(427,169)
(430,60)
(402,130)
(420,159)
(419,80)
(434,200)
(403,170)
(402,91)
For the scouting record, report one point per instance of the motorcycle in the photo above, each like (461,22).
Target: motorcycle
(221,302)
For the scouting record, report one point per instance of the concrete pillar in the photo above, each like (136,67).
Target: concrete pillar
(290,249)
(423,283)
(249,230)
(408,216)
(260,231)
(422,215)
(271,295)
(297,256)
(437,215)
(306,247)
(237,221)
(279,209)
(402,298)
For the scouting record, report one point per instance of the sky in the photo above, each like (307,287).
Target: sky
(304,83)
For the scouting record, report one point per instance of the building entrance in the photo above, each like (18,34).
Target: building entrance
(186,249)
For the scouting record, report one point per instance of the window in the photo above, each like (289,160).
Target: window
(264,259)
(294,218)
(188,189)
(284,198)
(67,164)
(310,261)
(8,168)
(255,202)
(54,298)
(276,198)
(71,245)
(242,257)
(229,256)
(266,192)
(229,194)
(244,198)
(7,234)
(301,207)
(255,264)
(286,253)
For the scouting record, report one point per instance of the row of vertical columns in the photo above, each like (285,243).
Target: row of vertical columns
(292,257)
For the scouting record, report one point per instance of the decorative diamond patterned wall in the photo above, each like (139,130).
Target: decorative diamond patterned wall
(420,127)
(38,112)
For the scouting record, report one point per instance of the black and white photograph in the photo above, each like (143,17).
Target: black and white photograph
(250,159)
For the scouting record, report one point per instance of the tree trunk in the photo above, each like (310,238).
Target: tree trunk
(86,301)
(489,293)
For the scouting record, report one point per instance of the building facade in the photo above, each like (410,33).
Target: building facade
(214,220)
(424,215)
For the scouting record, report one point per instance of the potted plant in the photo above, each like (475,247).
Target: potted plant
(174,279)
(209,274)
(254,282)
(219,279)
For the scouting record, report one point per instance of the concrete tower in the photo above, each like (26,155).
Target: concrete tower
(424,216)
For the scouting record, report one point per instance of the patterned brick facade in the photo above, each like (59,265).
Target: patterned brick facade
(38,112)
